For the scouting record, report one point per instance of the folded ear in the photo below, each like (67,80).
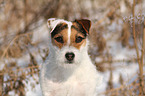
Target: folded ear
(53,22)
(85,23)
(50,21)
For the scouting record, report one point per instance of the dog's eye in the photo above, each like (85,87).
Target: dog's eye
(78,39)
(59,39)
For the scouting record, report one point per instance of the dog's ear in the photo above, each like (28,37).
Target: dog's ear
(85,23)
(52,23)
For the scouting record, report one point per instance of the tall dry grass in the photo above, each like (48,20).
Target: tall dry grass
(21,18)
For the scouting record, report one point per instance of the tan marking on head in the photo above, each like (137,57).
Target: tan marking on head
(74,35)
(64,35)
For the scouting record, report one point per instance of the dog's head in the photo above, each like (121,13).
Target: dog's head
(69,39)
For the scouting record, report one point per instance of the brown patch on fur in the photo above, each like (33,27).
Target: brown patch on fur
(74,34)
(75,24)
(64,35)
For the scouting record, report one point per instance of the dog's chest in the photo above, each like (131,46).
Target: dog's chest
(72,87)
(80,83)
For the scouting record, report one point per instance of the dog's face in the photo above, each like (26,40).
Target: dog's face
(69,39)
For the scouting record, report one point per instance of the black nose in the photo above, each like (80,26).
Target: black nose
(70,56)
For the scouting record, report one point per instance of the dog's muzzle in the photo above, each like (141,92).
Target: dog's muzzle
(70,57)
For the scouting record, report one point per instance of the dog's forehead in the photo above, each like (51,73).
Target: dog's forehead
(59,25)
(67,32)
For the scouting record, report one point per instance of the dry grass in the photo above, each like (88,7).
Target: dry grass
(21,18)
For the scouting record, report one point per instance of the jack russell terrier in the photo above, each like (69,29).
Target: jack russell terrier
(68,70)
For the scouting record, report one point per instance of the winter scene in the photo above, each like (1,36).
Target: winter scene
(108,36)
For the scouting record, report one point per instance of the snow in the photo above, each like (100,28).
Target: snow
(32,88)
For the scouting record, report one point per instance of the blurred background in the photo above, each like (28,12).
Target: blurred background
(117,43)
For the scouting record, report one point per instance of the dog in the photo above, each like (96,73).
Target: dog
(68,70)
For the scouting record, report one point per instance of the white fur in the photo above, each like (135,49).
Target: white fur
(69,31)
(60,79)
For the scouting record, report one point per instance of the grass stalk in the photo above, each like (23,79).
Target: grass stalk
(1,83)
(140,60)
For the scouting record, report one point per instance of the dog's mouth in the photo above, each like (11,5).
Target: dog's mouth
(69,62)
